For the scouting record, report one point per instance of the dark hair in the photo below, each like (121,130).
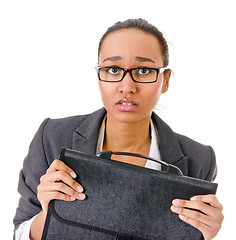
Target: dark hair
(145,26)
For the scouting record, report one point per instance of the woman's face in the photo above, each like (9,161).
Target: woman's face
(129,101)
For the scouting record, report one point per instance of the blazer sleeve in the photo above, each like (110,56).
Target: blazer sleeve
(35,165)
(211,175)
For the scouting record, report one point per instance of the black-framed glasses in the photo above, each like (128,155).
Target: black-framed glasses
(140,75)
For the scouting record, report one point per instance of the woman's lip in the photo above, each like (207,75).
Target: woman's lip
(126,101)
(126,105)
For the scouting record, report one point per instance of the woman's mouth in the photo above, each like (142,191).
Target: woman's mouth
(126,105)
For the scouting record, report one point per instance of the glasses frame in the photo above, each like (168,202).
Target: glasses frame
(126,70)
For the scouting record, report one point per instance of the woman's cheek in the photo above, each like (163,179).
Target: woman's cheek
(105,92)
(154,93)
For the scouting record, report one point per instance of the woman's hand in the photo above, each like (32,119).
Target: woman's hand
(208,221)
(59,183)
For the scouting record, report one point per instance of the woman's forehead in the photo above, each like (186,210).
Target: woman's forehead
(131,43)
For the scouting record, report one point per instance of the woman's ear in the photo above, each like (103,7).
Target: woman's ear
(165,85)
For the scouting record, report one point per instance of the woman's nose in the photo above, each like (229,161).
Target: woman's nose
(127,85)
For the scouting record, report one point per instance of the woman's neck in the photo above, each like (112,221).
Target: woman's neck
(127,137)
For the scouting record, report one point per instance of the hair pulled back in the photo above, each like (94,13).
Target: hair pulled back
(145,26)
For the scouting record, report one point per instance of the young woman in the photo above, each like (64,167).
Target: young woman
(132,72)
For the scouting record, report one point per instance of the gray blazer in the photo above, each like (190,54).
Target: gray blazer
(81,133)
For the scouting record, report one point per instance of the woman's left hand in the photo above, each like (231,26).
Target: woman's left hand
(208,221)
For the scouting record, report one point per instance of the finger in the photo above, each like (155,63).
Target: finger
(60,196)
(209,198)
(192,214)
(58,165)
(61,176)
(63,188)
(198,205)
(206,213)
(195,223)
(208,220)
(58,190)
(209,232)
(55,195)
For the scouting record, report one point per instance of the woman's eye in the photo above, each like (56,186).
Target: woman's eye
(113,70)
(143,71)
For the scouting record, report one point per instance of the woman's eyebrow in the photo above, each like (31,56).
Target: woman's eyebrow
(140,59)
(144,59)
(113,58)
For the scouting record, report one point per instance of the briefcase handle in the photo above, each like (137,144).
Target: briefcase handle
(167,168)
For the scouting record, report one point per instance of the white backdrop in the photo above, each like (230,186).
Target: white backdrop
(48,51)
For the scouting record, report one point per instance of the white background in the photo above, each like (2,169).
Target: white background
(48,51)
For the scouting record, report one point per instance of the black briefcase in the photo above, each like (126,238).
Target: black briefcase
(123,201)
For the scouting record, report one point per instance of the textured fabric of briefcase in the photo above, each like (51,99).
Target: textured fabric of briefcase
(123,201)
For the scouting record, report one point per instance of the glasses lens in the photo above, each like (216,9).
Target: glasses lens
(110,74)
(145,74)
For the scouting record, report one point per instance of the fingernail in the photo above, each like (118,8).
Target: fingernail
(72,198)
(174,209)
(81,196)
(80,189)
(177,202)
(73,174)
(181,217)
(194,198)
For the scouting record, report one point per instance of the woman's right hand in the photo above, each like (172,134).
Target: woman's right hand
(59,183)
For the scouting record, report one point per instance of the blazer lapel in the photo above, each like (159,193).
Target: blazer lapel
(86,135)
(169,146)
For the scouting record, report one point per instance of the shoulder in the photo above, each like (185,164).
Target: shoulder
(195,159)
(52,134)
(201,158)
(61,125)
(60,129)
(194,148)
(60,132)
(68,125)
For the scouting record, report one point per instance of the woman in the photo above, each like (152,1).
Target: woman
(133,73)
